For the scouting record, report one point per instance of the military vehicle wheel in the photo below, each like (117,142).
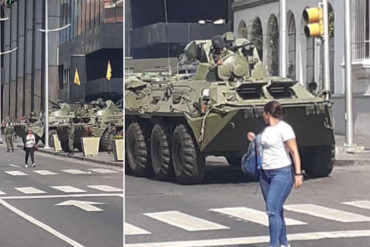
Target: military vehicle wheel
(65,146)
(160,153)
(234,160)
(51,137)
(137,150)
(188,163)
(318,161)
(104,141)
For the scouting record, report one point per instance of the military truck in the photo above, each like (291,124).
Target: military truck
(171,126)
(103,120)
(60,114)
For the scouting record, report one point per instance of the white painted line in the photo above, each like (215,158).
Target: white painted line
(59,196)
(75,171)
(30,190)
(327,213)
(15,165)
(359,204)
(45,172)
(68,189)
(256,240)
(41,225)
(133,230)
(16,173)
(253,215)
(185,221)
(84,205)
(105,188)
(104,171)
(2,193)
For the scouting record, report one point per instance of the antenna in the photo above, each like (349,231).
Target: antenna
(168,45)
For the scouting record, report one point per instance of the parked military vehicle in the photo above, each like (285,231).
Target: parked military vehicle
(102,119)
(171,126)
(60,114)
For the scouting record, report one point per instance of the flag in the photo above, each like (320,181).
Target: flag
(109,71)
(77,78)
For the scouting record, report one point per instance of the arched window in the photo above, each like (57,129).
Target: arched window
(242,30)
(257,36)
(292,67)
(272,45)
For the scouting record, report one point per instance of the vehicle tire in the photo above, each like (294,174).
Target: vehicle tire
(188,163)
(234,160)
(65,146)
(318,161)
(137,150)
(104,141)
(51,138)
(160,153)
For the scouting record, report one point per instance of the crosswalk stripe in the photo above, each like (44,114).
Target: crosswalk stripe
(45,172)
(68,189)
(105,188)
(327,213)
(2,193)
(185,221)
(16,173)
(359,204)
(75,171)
(253,215)
(104,171)
(30,190)
(133,230)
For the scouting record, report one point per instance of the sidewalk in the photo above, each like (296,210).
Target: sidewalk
(343,158)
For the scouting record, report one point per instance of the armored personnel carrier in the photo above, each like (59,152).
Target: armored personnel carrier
(171,126)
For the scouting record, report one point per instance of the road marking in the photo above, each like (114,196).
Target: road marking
(14,165)
(105,188)
(359,204)
(327,213)
(253,215)
(2,193)
(256,240)
(16,173)
(185,221)
(45,172)
(40,224)
(75,171)
(68,189)
(84,205)
(59,196)
(104,171)
(30,190)
(133,230)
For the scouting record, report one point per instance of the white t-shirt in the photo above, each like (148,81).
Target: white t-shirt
(30,141)
(275,155)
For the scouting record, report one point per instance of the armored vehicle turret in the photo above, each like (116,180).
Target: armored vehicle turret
(172,125)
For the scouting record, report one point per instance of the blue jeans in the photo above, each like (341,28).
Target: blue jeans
(276,185)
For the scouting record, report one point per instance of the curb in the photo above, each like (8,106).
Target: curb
(65,155)
(341,163)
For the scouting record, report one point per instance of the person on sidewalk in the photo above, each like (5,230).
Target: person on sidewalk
(277,177)
(29,147)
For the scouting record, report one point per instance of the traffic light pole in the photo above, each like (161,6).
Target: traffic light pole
(326,46)
(348,75)
(283,39)
(46,109)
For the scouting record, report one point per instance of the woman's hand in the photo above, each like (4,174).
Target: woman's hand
(298,181)
(251,136)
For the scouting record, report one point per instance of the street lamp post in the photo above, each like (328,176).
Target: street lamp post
(46,109)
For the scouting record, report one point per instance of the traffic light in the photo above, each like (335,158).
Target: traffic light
(315,22)
(9,3)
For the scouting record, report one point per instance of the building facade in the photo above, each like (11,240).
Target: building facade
(93,38)
(258,21)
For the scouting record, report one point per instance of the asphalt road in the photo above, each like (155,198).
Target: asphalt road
(226,211)
(60,202)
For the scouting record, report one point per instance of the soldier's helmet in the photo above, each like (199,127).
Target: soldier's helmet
(82,102)
(217,43)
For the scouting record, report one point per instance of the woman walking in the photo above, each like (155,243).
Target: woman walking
(29,147)
(278,175)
